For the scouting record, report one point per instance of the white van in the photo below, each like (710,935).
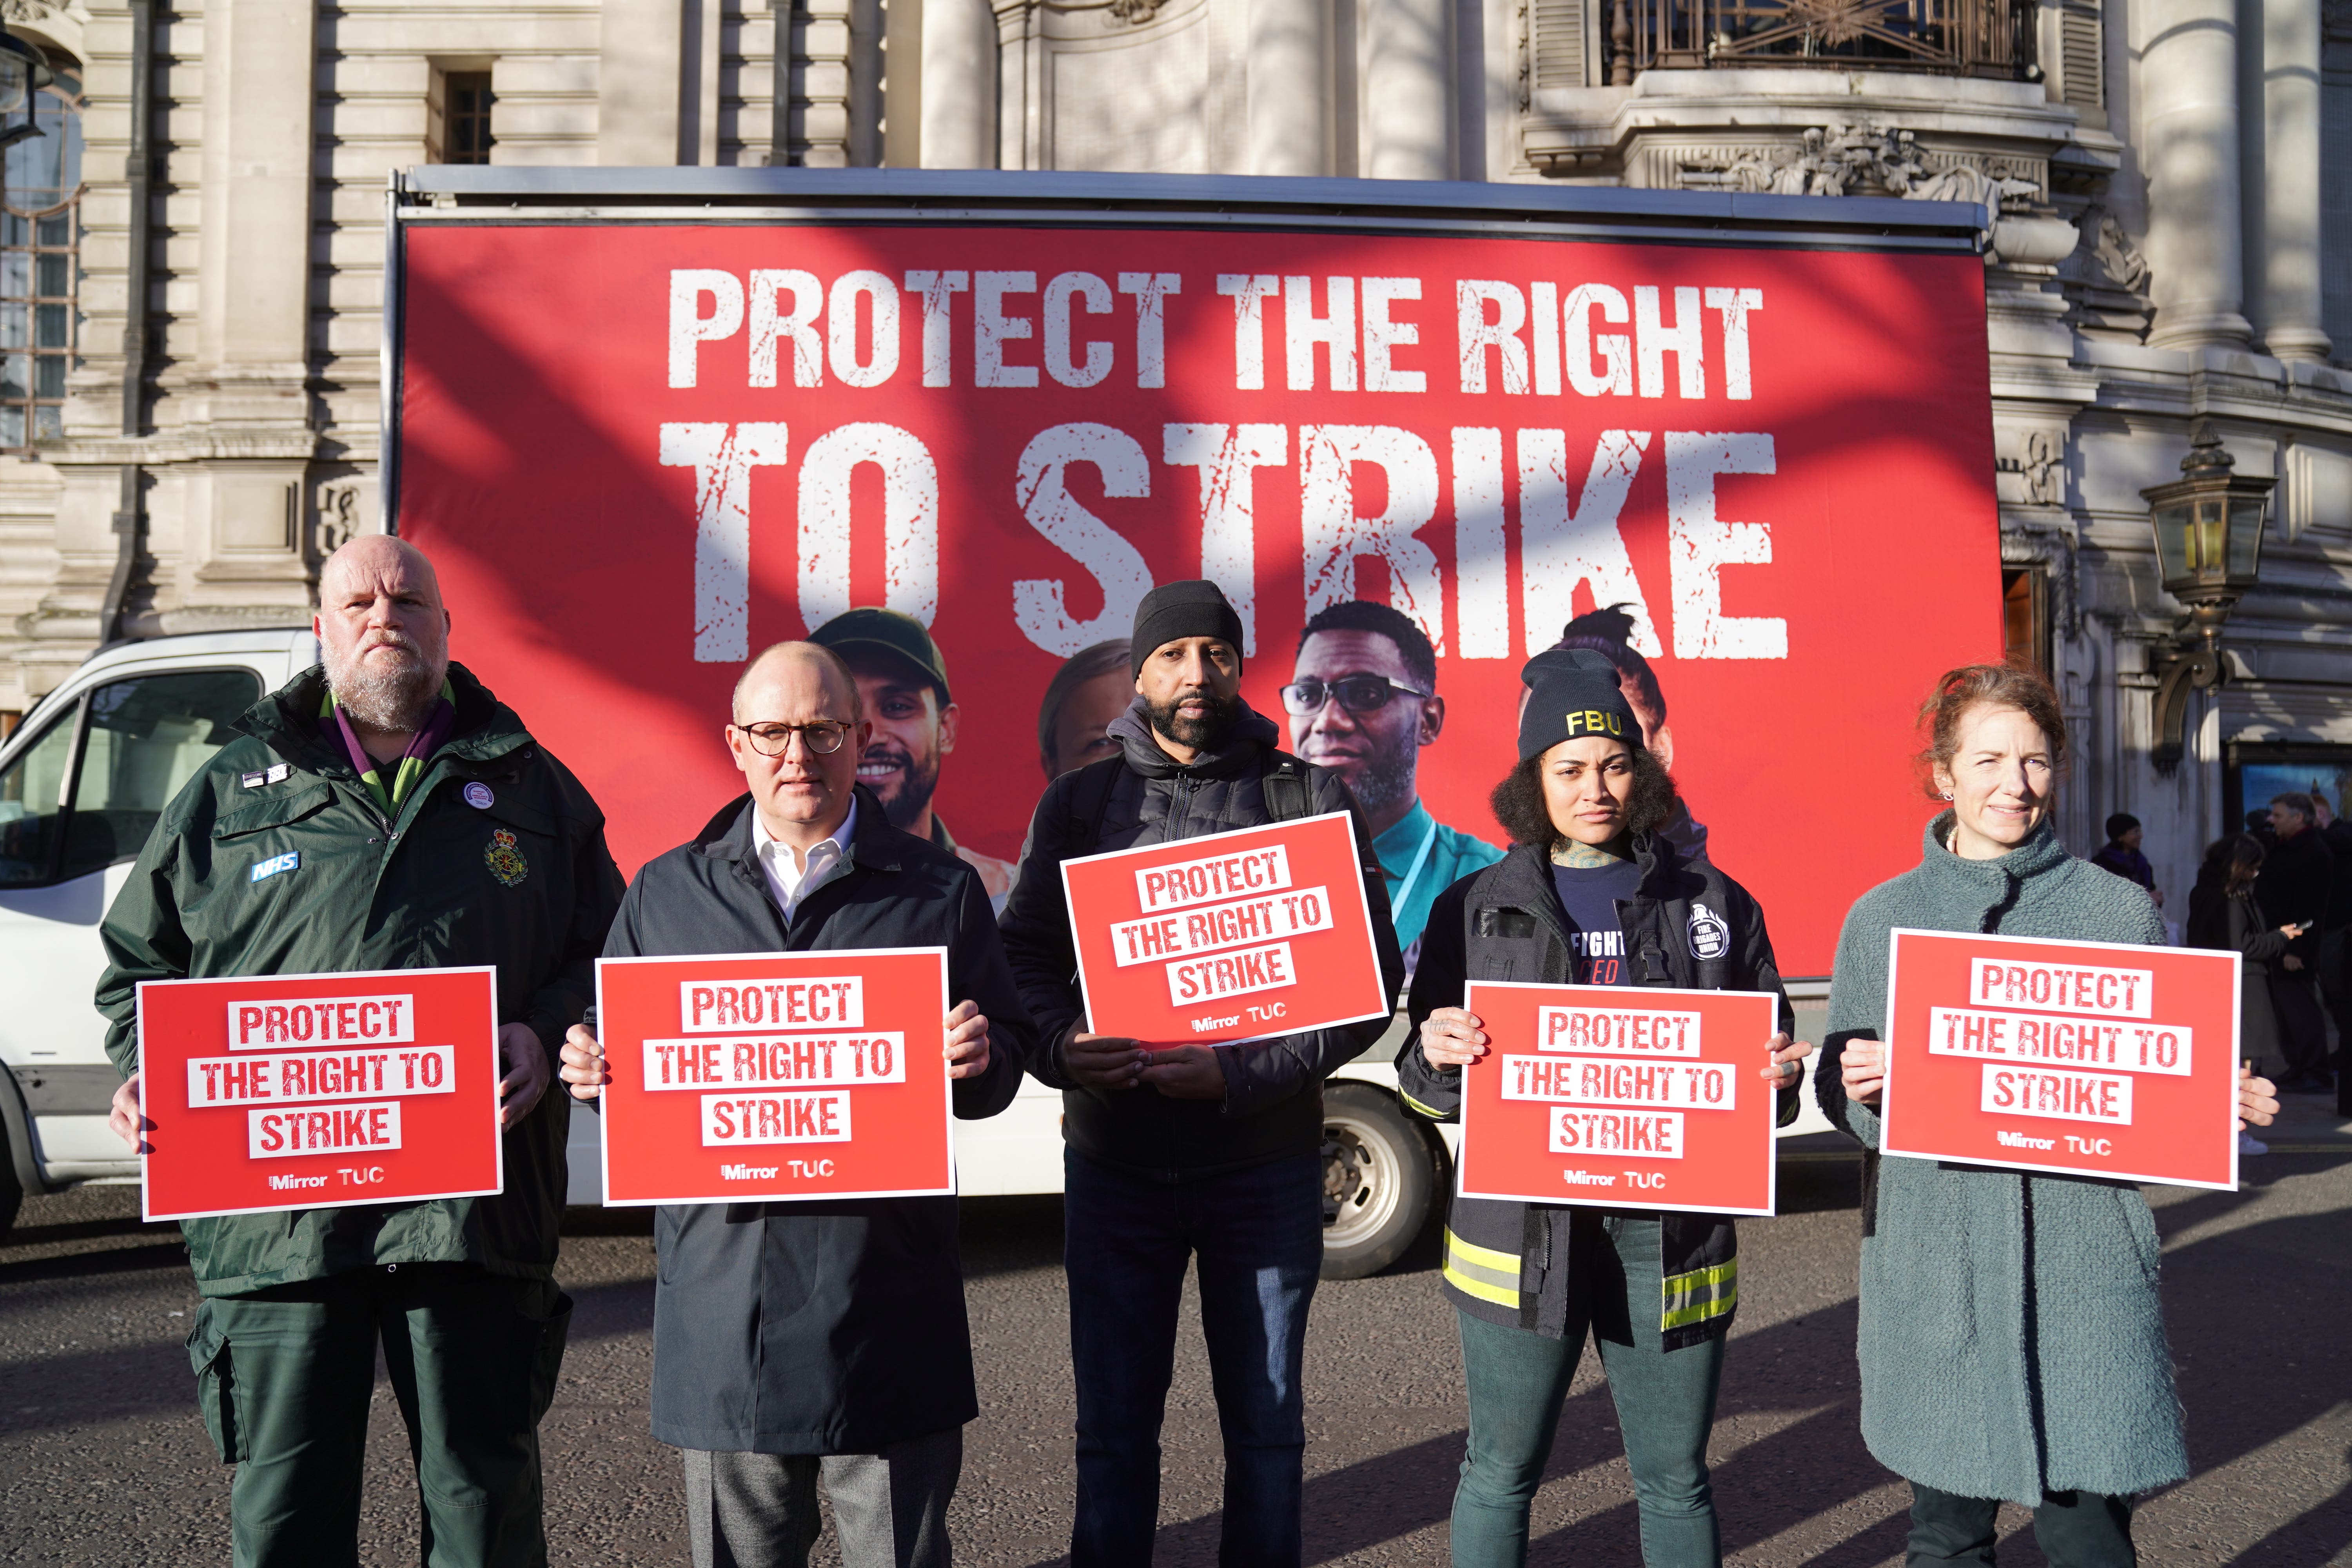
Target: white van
(84,778)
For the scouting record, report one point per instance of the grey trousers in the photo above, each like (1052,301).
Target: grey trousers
(758,1510)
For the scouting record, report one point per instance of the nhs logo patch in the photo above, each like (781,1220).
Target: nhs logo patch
(277,863)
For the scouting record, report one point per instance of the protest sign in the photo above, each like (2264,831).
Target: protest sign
(1619,1097)
(2095,1058)
(775,1075)
(297,1091)
(1228,938)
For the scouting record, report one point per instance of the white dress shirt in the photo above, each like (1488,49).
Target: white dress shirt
(827,860)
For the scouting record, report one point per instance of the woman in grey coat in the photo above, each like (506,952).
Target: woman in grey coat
(2012,1343)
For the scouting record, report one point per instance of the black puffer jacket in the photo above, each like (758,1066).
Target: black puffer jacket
(1274,1088)
(1507,1262)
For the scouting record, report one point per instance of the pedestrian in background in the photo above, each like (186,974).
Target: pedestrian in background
(2223,914)
(1179,1150)
(827,1338)
(2296,882)
(2121,855)
(2012,1345)
(414,824)
(1591,885)
(2335,945)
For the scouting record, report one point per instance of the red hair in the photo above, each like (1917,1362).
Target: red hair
(1971,686)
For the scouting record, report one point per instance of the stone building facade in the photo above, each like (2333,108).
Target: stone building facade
(2172,181)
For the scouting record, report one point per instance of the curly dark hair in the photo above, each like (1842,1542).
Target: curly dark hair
(1518,802)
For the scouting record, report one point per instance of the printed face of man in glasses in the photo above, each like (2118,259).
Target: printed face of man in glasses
(1356,708)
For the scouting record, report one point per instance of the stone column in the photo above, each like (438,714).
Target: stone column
(1408,131)
(640,71)
(2188,82)
(960,64)
(2289,312)
(248,403)
(1289,110)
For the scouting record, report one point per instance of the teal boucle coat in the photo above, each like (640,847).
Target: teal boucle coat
(2011,1342)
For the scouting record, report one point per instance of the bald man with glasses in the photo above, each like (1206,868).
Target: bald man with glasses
(825,1338)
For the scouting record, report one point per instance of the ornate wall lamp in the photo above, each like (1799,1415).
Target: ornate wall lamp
(24,70)
(2208,549)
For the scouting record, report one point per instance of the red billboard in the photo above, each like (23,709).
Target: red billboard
(640,451)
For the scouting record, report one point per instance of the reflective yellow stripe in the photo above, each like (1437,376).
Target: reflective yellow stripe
(1701,1294)
(1480,1289)
(1429,1110)
(1486,1256)
(1482,1271)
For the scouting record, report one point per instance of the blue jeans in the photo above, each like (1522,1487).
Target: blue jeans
(1258,1234)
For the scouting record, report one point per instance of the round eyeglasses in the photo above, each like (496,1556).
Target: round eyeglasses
(1357,694)
(823,737)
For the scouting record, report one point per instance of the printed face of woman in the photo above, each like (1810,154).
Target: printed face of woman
(1588,783)
(2000,778)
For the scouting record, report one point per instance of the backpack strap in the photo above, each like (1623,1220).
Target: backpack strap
(1285,785)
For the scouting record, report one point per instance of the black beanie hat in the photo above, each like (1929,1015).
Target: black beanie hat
(1573,692)
(1196,608)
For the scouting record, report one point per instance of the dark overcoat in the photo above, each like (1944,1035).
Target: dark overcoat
(836,1326)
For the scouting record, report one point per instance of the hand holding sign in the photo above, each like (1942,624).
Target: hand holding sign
(526,1077)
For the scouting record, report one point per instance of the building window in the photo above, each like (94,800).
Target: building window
(1966,38)
(2025,614)
(469,117)
(40,270)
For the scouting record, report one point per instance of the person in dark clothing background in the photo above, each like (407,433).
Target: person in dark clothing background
(2297,879)
(1187,1149)
(821,1337)
(2121,855)
(2335,943)
(2223,914)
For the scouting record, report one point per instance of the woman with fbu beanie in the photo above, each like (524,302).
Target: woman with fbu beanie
(2012,1343)
(1590,894)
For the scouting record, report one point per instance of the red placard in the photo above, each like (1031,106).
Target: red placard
(305,1092)
(776,1076)
(2088,1058)
(772,422)
(1233,937)
(1621,1096)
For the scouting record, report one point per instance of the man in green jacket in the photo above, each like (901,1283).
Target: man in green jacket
(399,817)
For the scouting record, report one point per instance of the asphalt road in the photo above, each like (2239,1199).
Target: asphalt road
(103,1460)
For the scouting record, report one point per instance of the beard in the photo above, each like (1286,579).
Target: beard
(918,782)
(1203,732)
(1385,781)
(378,693)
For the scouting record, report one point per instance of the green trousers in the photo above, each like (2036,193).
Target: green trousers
(1665,1405)
(284,1377)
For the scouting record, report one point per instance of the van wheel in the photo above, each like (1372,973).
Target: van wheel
(1377,1181)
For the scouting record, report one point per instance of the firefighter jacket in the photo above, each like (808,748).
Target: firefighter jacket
(276,860)
(1689,927)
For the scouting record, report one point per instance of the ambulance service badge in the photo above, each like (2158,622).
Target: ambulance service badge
(504,859)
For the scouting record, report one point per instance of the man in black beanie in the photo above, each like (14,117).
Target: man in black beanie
(1213,1150)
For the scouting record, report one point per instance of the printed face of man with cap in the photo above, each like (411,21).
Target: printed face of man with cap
(1372,719)
(902,683)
